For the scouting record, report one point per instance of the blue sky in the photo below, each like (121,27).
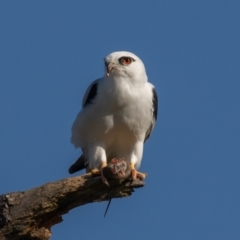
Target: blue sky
(49,53)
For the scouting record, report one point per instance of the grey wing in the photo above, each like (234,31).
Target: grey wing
(155,113)
(89,96)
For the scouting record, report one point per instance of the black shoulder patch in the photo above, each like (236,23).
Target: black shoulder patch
(155,103)
(91,95)
(155,112)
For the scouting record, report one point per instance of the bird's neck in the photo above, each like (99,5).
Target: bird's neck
(122,91)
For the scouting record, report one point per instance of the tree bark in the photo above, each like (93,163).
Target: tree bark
(31,214)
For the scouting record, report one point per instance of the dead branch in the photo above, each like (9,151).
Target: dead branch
(31,214)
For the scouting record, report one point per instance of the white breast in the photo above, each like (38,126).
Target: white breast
(121,114)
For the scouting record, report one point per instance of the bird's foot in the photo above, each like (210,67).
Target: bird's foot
(97,172)
(104,179)
(135,174)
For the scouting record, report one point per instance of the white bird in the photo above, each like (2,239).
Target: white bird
(118,114)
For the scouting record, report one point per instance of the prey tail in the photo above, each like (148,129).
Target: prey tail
(109,202)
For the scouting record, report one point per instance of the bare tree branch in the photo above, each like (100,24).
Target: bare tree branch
(31,214)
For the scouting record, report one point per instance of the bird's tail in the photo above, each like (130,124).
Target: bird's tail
(78,165)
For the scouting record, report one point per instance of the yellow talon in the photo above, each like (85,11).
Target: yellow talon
(104,179)
(135,174)
(96,172)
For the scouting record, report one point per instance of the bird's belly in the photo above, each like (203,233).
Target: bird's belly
(120,141)
(113,127)
(124,130)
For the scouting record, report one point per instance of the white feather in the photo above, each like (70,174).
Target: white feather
(116,122)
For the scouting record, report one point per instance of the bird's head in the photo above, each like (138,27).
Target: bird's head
(124,64)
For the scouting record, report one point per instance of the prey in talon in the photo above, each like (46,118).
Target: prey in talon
(118,114)
(96,172)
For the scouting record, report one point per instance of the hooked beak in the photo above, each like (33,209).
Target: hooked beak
(109,67)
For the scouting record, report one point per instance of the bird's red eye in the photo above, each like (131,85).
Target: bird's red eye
(125,60)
